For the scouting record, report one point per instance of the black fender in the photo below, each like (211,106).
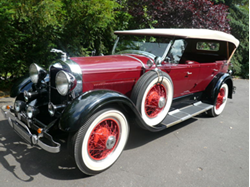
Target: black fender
(83,107)
(212,90)
(24,83)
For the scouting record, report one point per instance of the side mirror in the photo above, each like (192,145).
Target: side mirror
(158,60)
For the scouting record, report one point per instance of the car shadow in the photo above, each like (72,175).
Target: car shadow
(139,137)
(25,161)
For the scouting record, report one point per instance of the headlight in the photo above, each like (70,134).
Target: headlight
(36,73)
(31,112)
(19,106)
(65,82)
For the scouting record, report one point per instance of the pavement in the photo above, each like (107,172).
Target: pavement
(200,152)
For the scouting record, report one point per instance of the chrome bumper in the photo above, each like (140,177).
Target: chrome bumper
(23,131)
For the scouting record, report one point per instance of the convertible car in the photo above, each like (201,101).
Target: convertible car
(155,78)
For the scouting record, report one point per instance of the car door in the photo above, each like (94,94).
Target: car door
(179,75)
(183,74)
(207,73)
(193,76)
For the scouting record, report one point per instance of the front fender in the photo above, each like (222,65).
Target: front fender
(83,107)
(24,83)
(212,90)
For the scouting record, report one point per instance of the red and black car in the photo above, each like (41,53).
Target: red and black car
(155,78)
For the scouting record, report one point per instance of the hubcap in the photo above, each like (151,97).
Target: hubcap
(110,142)
(155,100)
(162,102)
(103,139)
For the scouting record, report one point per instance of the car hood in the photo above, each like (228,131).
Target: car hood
(110,63)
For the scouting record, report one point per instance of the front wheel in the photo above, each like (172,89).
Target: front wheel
(100,141)
(221,101)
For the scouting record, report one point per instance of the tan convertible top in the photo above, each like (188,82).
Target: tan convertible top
(186,33)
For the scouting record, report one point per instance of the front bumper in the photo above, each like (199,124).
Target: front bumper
(24,132)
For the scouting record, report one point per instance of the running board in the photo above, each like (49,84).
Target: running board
(183,114)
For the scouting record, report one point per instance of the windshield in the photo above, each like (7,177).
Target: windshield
(150,46)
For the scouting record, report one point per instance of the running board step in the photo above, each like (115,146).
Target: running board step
(183,114)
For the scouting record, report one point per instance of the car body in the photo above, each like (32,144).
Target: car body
(155,78)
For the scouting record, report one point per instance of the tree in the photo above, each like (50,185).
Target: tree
(239,23)
(180,14)
(30,28)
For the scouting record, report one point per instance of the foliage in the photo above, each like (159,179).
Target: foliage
(27,28)
(30,28)
(239,23)
(179,14)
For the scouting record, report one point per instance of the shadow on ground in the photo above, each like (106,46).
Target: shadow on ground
(30,161)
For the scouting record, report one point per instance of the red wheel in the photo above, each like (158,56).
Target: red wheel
(221,101)
(153,96)
(103,139)
(155,100)
(100,141)
(220,98)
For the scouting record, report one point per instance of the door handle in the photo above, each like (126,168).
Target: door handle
(215,69)
(189,73)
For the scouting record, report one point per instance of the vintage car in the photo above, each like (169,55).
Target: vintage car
(155,78)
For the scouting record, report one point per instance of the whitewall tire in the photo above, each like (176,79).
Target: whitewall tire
(100,141)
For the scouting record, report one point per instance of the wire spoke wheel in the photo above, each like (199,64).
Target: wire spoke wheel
(103,139)
(155,100)
(220,98)
(100,141)
(221,101)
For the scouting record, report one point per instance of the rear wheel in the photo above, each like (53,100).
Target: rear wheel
(100,141)
(221,101)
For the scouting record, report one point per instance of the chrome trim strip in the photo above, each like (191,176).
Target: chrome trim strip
(143,65)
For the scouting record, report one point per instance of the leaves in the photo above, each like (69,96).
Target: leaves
(180,14)
(30,28)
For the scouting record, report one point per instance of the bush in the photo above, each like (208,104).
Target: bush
(31,28)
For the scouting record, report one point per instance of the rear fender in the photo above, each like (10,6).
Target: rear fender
(83,107)
(212,90)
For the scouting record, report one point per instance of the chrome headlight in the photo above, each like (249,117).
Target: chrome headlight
(65,82)
(31,112)
(36,73)
(19,105)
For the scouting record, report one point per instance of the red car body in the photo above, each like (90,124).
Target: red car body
(121,72)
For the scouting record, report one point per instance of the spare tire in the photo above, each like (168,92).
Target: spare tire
(153,96)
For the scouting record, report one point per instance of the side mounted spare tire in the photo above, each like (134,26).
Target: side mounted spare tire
(153,96)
